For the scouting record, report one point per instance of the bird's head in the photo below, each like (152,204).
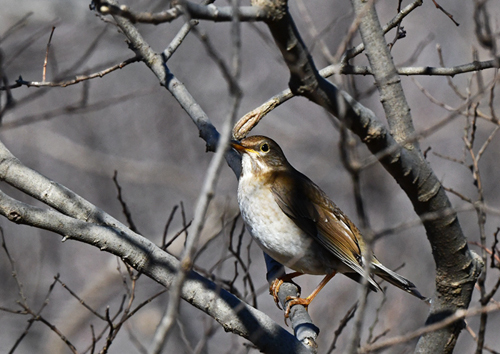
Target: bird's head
(260,154)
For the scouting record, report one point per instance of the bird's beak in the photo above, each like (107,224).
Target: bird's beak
(238,147)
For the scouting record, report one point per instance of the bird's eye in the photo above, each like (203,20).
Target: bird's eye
(264,147)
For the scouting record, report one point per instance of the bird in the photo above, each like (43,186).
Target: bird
(298,225)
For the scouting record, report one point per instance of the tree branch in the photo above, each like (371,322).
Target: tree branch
(77,219)
(457,316)
(457,267)
(194,11)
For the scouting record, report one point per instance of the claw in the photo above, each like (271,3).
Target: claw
(295,300)
(274,288)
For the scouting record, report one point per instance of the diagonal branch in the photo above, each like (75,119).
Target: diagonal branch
(77,219)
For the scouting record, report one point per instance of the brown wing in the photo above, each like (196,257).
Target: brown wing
(320,218)
(311,210)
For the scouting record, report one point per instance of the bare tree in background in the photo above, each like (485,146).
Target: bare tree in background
(121,135)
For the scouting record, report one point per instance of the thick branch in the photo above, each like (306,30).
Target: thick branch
(387,80)
(77,219)
(233,314)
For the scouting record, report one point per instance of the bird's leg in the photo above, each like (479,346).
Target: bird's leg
(293,300)
(276,284)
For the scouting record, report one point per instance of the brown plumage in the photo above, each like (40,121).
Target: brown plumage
(296,223)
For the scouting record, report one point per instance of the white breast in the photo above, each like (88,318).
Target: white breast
(275,232)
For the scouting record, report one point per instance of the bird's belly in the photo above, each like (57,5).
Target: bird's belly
(278,235)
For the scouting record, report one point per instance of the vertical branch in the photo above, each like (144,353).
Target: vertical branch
(386,77)
(47,54)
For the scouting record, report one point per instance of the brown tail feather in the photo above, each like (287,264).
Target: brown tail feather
(397,280)
(372,284)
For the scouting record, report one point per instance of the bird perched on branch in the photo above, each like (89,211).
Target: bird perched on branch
(295,222)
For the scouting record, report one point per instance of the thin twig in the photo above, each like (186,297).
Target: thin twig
(38,317)
(486,143)
(47,54)
(167,226)
(81,301)
(371,339)
(125,209)
(177,234)
(342,324)
(78,78)
(448,78)
(179,38)
(445,12)
(456,316)
(474,336)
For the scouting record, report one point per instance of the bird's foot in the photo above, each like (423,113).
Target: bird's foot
(294,300)
(274,288)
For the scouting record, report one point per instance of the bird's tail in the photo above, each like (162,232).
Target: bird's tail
(397,280)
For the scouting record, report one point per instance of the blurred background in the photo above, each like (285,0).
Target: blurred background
(126,122)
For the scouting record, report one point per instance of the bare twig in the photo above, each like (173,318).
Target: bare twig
(78,78)
(487,142)
(419,48)
(237,254)
(125,209)
(456,316)
(445,12)
(24,45)
(484,33)
(371,339)
(342,324)
(177,234)
(36,316)
(47,54)
(195,11)
(178,39)
(495,253)
(80,300)
(400,32)
(449,79)
(474,336)
(167,225)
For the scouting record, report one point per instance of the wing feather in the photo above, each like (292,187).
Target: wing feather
(312,211)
